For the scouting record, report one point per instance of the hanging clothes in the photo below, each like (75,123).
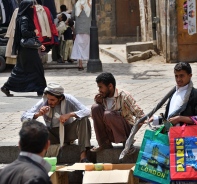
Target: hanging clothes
(46,40)
(11,59)
(43,21)
(3,16)
(50,4)
(8,10)
(52,26)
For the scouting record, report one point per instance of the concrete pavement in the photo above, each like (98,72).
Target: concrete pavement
(148,81)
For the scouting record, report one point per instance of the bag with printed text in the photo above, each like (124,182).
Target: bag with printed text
(153,159)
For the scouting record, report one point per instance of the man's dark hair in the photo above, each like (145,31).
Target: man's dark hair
(70,23)
(57,96)
(64,17)
(33,136)
(106,78)
(183,66)
(63,8)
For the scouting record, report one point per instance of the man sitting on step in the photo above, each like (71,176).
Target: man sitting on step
(113,114)
(58,110)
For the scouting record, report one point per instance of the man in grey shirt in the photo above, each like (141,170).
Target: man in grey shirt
(59,110)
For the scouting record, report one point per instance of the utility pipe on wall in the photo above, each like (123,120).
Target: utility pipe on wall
(154,21)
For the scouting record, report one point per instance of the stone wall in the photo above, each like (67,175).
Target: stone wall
(145,20)
(105,12)
(166,28)
(106,23)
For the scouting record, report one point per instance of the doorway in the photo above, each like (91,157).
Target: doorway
(127,18)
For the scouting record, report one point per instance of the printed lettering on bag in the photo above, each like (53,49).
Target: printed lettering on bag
(185,153)
(155,159)
(153,172)
(180,155)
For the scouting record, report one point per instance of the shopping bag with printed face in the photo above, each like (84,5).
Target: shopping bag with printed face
(153,159)
(183,152)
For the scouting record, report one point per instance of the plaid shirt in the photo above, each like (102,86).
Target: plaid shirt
(126,105)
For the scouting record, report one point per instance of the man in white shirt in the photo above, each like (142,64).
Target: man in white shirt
(65,117)
(183,103)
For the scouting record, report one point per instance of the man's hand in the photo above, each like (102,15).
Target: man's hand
(42,47)
(36,31)
(175,120)
(178,119)
(65,117)
(149,120)
(43,110)
(98,98)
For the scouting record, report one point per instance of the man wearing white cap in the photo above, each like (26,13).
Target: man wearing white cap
(59,110)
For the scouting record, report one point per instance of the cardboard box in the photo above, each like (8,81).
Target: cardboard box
(121,173)
(59,177)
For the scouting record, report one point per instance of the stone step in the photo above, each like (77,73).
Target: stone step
(70,154)
(55,65)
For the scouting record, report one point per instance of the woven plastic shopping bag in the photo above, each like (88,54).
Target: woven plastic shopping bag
(153,159)
(183,152)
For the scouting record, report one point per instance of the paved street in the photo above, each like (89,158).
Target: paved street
(148,81)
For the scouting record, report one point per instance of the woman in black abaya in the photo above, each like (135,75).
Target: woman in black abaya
(28,73)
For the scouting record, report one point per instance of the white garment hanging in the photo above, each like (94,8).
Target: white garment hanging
(10,34)
(43,21)
(3,12)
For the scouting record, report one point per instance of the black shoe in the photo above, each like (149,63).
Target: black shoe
(60,60)
(6,92)
(85,160)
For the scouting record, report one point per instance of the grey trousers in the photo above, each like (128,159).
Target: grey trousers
(79,129)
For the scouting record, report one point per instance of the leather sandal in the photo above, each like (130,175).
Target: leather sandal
(80,68)
(6,92)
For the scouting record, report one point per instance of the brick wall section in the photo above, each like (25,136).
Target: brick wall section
(106,19)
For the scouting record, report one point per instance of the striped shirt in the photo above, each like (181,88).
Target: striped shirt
(126,105)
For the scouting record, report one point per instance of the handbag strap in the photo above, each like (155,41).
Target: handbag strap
(159,130)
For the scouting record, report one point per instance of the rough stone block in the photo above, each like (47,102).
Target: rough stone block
(112,156)
(139,46)
(70,154)
(108,7)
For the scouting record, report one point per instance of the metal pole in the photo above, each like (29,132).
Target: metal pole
(94,64)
